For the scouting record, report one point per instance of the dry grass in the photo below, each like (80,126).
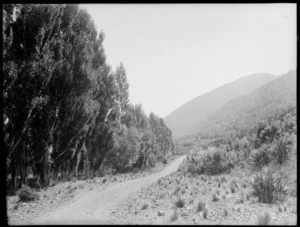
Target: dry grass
(145,206)
(205,213)
(215,198)
(26,194)
(200,206)
(264,219)
(232,188)
(174,216)
(225,211)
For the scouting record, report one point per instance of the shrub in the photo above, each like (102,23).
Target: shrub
(260,158)
(282,150)
(268,189)
(104,180)
(180,203)
(215,164)
(165,161)
(264,219)
(27,194)
(200,206)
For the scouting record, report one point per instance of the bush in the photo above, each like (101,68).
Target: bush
(215,164)
(268,189)
(260,158)
(27,194)
(282,150)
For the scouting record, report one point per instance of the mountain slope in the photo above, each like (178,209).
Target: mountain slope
(260,104)
(182,120)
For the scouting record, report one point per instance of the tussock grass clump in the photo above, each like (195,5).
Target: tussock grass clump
(225,211)
(182,191)
(244,184)
(215,198)
(26,194)
(232,188)
(282,150)
(174,216)
(104,180)
(205,213)
(268,189)
(180,203)
(177,189)
(145,206)
(70,190)
(264,219)
(223,179)
(200,206)
(52,183)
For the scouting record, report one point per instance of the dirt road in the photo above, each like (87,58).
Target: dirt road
(97,206)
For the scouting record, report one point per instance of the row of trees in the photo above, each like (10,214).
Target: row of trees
(65,111)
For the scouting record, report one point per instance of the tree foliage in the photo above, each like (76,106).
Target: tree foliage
(65,111)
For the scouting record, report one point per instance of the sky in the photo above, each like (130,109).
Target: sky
(175,52)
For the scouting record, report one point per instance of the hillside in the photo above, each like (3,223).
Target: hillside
(243,112)
(182,120)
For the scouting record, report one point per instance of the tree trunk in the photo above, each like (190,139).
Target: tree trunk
(44,169)
(14,169)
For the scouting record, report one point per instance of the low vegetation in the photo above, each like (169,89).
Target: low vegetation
(264,219)
(26,194)
(180,203)
(268,189)
(200,206)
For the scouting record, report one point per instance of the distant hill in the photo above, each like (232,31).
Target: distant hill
(183,120)
(242,112)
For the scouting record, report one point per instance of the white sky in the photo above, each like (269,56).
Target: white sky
(174,53)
